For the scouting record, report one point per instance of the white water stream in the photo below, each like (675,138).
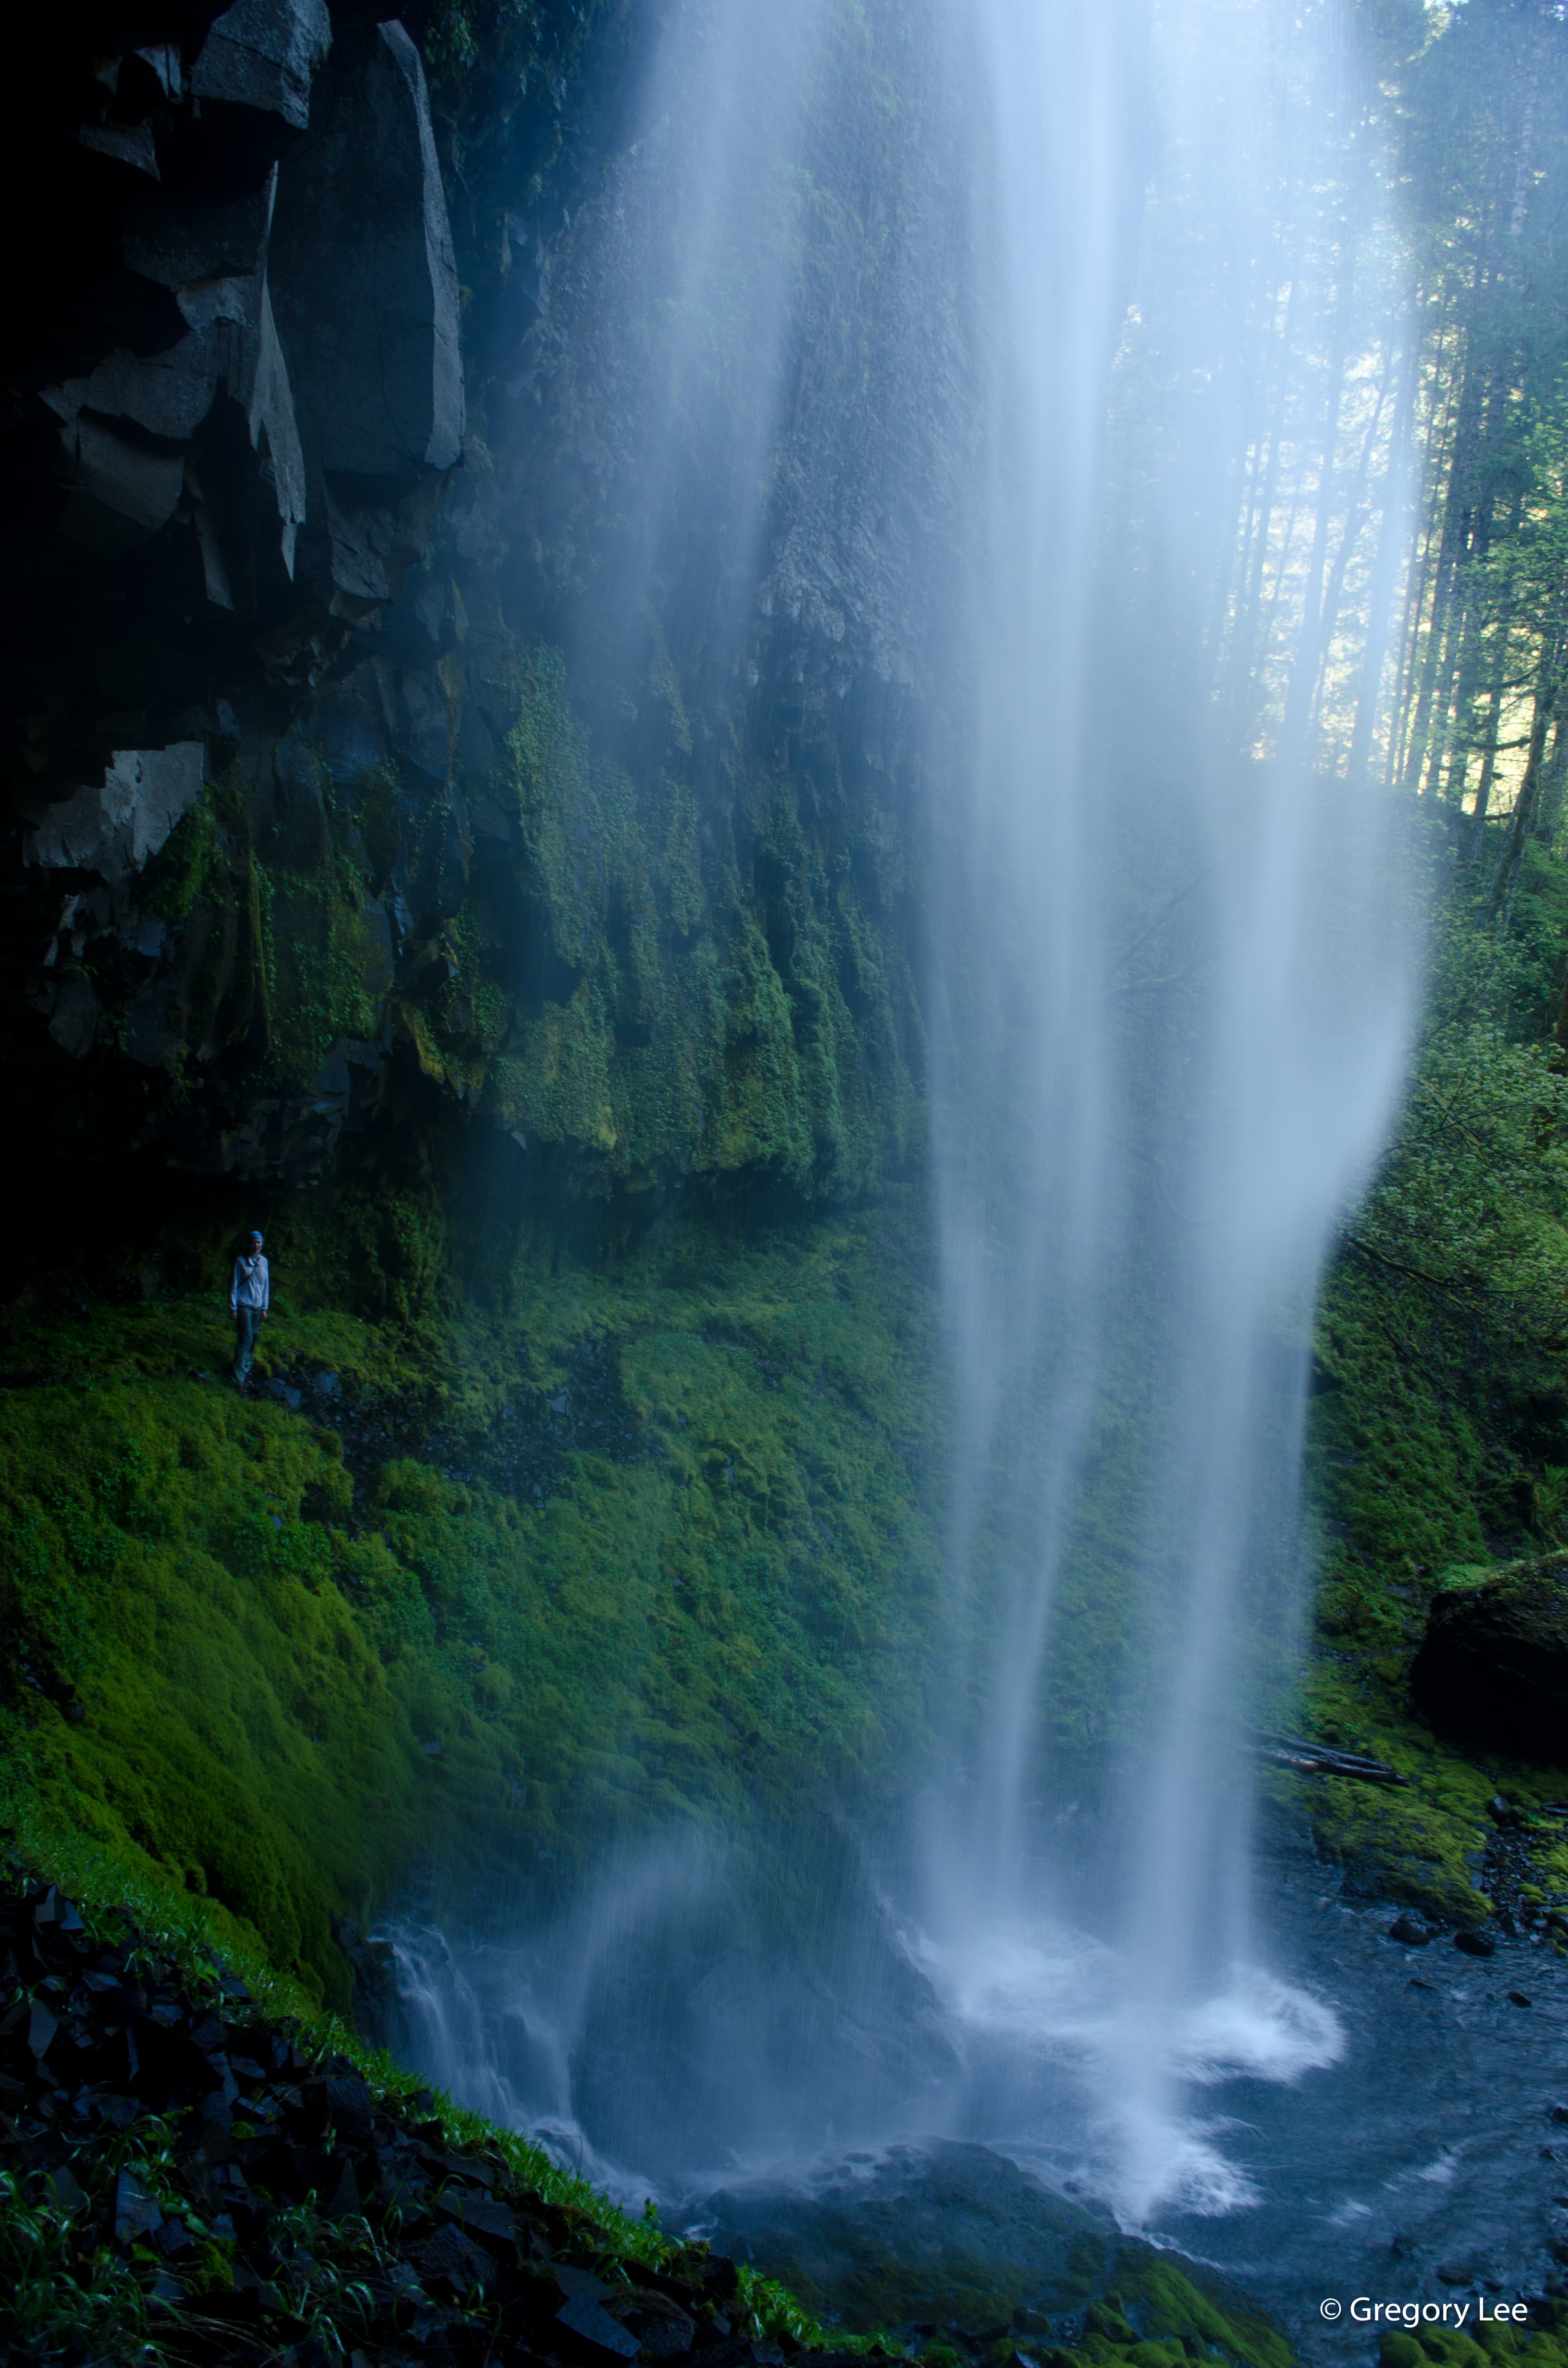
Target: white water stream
(1123,492)
(1174,986)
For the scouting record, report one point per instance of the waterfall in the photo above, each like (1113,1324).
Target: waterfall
(1046,364)
(1174,993)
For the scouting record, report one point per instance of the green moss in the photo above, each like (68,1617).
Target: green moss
(213,1674)
(236,1724)
(1442,1426)
(695,1015)
(1167,2304)
(189,861)
(327,967)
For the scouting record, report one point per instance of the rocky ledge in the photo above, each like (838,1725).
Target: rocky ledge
(187,2177)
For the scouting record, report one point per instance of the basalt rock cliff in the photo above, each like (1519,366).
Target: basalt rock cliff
(318,832)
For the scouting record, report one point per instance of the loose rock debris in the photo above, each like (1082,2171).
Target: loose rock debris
(184,2180)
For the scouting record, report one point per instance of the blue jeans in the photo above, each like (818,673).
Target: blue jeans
(247,1324)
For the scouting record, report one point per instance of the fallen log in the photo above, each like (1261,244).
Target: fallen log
(1319,1759)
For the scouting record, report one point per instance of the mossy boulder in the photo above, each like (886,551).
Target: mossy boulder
(957,2244)
(1492,1667)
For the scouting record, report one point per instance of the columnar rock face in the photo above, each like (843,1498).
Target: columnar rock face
(210,499)
(323,809)
(360,239)
(236,397)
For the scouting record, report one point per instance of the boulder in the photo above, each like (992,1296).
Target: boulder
(119,492)
(74,1015)
(121,423)
(264,54)
(1492,1667)
(179,242)
(112,826)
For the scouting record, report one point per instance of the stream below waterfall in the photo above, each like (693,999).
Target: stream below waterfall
(1389,2135)
(1424,2166)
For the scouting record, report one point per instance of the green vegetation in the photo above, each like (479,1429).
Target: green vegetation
(1543,2344)
(593,982)
(254,1672)
(961,2237)
(689,1025)
(1440,1440)
(237,1681)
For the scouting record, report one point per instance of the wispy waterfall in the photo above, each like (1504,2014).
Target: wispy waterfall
(1083,426)
(1174,989)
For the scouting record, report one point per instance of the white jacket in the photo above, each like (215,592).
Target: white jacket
(251,1285)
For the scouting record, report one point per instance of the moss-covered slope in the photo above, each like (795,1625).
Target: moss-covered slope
(284,1678)
(1439,1440)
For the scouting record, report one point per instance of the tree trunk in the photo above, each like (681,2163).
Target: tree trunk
(1548,682)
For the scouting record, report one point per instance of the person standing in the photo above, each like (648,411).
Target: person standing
(250,1297)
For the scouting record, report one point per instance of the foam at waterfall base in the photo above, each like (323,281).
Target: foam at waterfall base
(1035,1997)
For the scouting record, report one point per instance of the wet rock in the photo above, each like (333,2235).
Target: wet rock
(136,2212)
(74,1015)
(348,2107)
(575,2283)
(169,440)
(1492,1666)
(449,2254)
(660,2328)
(374,1972)
(1412,1931)
(587,2316)
(360,237)
(876,2240)
(1475,1942)
(333,2200)
(264,54)
(480,2213)
(114,826)
(119,494)
(65,2189)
